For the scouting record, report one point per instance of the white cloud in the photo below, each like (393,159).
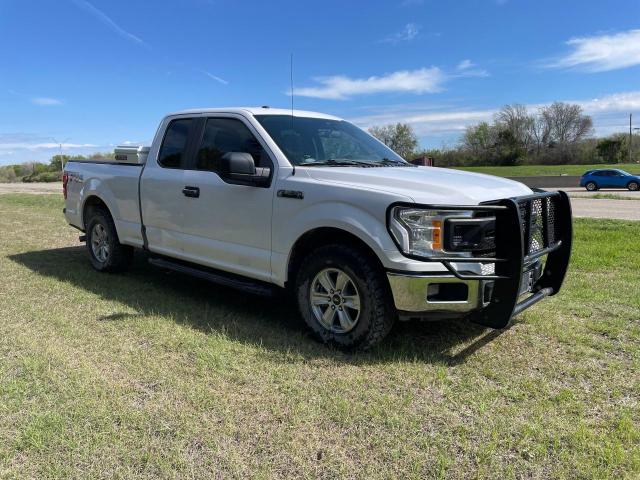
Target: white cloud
(45,101)
(428,122)
(615,102)
(28,147)
(600,53)
(339,87)
(216,78)
(609,113)
(100,15)
(408,33)
(466,68)
(44,146)
(423,80)
(465,64)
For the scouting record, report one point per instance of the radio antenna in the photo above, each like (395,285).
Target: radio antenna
(291,81)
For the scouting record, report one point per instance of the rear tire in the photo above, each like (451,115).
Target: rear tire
(344,298)
(633,186)
(591,186)
(106,252)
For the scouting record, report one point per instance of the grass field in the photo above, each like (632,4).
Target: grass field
(610,196)
(151,374)
(534,170)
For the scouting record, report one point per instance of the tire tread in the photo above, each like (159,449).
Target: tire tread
(121,256)
(380,302)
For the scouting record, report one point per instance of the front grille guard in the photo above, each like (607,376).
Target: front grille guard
(527,229)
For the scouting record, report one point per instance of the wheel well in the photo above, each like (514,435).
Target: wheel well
(325,236)
(91,204)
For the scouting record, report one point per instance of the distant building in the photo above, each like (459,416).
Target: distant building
(424,161)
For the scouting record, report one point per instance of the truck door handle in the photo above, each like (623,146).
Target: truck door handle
(193,192)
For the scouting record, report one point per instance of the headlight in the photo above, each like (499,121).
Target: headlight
(418,231)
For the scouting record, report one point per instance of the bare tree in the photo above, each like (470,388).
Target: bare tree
(539,133)
(518,122)
(566,123)
(399,137)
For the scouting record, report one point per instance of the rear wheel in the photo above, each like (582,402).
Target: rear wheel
(633,186)
(343,298)
(106,252)
(591,186)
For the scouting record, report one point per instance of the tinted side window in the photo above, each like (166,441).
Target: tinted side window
(172,152)
(223,135)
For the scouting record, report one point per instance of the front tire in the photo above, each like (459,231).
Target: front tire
(633,186)
(106,252)
(591,186)
(344,298)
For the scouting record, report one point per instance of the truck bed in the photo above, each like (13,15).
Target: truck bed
(116,184)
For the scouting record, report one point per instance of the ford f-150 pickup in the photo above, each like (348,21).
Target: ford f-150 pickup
(264,199)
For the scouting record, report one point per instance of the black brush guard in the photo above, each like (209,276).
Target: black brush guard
(526,229)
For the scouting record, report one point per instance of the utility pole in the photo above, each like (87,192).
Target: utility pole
(60,142)
(630,137)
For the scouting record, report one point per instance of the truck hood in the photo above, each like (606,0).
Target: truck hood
(425,184)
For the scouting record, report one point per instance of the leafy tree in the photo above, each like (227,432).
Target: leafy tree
(479,139)
(509,149)
(399,137)
(611,150)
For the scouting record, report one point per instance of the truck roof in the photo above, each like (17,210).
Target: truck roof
(258,111)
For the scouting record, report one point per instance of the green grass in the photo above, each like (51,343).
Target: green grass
(151,374)
(610,196)
(534,170)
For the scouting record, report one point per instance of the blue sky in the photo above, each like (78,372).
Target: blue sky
(94,73)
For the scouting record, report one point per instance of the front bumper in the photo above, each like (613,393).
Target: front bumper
(533,248)
(411,294)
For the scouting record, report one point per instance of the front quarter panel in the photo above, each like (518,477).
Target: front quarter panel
(359,211)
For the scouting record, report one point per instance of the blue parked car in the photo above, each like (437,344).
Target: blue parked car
(609,178)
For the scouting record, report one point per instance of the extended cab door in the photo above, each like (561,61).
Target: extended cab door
(163,200)
(229,226)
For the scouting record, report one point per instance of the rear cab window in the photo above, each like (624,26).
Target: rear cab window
(173,152)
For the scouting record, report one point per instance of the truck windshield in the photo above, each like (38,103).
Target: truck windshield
(322,142)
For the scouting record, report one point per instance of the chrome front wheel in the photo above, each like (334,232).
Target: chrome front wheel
(335,300)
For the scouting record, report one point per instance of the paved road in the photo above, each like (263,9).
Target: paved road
(579,192)
(583,206)
(602,208)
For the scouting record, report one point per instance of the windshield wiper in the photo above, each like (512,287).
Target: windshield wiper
(397,163)
(335,163)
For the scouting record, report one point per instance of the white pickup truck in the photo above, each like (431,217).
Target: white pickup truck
(264,199)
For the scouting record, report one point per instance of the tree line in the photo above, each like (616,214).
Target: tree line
(560,133)
(43,172)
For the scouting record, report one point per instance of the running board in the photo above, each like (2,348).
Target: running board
(221,278)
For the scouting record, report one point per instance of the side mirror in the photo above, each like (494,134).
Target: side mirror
(239,168)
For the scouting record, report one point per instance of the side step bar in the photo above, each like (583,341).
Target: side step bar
(254,287)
